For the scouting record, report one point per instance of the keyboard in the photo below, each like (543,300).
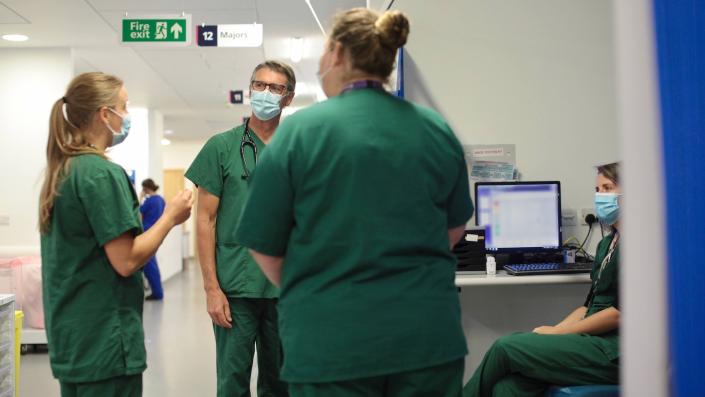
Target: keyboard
(525,269)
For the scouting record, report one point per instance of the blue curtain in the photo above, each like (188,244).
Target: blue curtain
(680,41)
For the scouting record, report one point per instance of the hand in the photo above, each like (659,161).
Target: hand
(179,208)
(547,330)
(219,308)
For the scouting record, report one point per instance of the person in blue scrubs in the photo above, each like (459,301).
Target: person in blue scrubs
(151,209)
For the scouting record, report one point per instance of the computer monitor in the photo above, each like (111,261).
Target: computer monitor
(519,216)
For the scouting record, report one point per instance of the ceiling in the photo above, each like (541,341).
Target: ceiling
(189,85)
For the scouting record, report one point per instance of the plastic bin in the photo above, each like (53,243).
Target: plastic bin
(7,345)
(18,333)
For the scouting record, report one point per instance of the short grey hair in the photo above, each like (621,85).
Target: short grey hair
(279,67)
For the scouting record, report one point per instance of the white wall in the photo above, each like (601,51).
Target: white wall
(643,294)
(169,255)
(31,80)
(156,133)
(180,155)
(134,153)
(538,74)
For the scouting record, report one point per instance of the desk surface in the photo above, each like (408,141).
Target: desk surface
(463,279)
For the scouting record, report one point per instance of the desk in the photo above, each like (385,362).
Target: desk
(465,279)
(493,306)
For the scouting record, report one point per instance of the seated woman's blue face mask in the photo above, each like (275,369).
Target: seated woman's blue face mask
(607,207)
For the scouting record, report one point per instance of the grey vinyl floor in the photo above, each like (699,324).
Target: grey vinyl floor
(179,341)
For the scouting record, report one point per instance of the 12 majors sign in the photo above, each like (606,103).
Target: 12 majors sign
(247,35)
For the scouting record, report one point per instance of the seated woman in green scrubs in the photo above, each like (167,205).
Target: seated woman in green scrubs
(353,209)
(92,244)
(582,349)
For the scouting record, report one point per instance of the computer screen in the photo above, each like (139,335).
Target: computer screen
(519,216)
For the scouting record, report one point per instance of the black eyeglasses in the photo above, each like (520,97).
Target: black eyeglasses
(273,88)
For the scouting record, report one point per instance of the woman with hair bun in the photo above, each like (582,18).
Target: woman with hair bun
(353,210)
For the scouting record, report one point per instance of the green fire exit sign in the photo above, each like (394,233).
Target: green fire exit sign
(170,30)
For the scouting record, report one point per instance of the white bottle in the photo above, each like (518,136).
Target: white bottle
(491,266)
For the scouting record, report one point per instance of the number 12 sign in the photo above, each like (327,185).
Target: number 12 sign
(249,35)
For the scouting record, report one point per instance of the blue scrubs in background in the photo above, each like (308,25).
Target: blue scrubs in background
(152,210)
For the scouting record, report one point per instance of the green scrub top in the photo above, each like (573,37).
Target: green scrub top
(358,193)
(218,169)
(93,315)
(604,293)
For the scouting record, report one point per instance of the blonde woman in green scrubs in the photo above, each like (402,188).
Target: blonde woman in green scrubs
(353,210)
(92,244)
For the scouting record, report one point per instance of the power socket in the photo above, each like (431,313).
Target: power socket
(569,217)
(585,212)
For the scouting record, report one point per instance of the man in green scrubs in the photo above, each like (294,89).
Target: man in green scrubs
(241,301)
(109,342)
(354,208)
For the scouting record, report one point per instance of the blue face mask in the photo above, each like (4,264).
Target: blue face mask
(118,137)
(265,105)
(607,207)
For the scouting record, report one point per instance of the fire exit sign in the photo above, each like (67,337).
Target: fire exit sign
(167,30)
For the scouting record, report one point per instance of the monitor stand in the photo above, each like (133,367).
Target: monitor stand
(509,259)
(527,257)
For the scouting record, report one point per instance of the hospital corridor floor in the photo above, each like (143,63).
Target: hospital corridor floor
(179,341)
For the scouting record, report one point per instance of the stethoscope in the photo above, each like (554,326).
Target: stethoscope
(247,141)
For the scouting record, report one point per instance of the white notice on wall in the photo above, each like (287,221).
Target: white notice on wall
(491,162)
(249,35)
(487,152)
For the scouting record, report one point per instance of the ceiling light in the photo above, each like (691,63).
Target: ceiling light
(15,37)
(296,46)
(315,16)
(168,132)
(166,142)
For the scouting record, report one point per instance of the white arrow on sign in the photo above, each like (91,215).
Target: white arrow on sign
(176,30)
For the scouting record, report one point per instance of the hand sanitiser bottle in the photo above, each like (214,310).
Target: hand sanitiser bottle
(491,266)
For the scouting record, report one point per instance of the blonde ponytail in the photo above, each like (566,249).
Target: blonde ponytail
(69,121)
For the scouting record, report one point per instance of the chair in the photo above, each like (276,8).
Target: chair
(583,391)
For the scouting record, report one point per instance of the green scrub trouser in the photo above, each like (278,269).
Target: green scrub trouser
(525,364)
(121,386)
(254,322)
(444,380)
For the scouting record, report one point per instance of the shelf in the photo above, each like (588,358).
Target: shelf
(33,336)
(6,298)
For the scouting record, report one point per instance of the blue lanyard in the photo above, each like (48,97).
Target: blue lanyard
(362,84)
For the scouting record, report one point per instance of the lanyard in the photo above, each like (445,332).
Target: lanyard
(362,84)
(605,261)
(608,257)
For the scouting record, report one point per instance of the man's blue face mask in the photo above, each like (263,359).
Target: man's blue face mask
(607,207)
(265,105)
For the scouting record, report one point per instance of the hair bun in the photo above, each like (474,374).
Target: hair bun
(393,29)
